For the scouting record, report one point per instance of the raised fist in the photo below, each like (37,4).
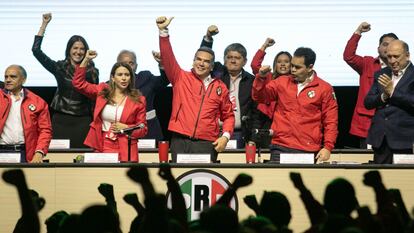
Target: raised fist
(165,172)
(269,42)
(157,56)
(47,17)
(264,70)
(372,178)
(242,180)
(212,30)
(364,27)
(91,54)
(163,22)
(297,181)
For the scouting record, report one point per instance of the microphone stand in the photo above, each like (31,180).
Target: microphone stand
(128,133)
(129,137)
(259,154)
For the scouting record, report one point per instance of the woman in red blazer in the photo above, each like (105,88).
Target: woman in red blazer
(118,106)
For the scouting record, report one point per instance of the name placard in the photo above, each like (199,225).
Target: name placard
(403,159)
(231,144)
(193,158)
(146,143)
(101,158)
(297,158)
(59,144)
(150,115)
(9,157)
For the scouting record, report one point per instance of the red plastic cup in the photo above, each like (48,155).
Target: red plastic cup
(163,147)
(250,153)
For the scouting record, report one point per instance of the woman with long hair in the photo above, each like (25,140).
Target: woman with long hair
(69,107)
(281,66)
(118,105)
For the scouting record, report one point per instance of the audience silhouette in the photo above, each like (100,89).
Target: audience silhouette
(273,213)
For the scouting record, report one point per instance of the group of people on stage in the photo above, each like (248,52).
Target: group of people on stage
(213,102)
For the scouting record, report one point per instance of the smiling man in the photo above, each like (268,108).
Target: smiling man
(305,119)
(25,122)
(199,102)
(392,97)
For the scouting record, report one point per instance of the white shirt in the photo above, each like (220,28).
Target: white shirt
(110,114)
(301,86)
(234,99)
(382,63)
(13,128)
(207,81)
(397,77)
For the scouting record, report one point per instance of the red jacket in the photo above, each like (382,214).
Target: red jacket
(37,128)
(366,67)
(132,115)
(265,108)
(300,122)
(195,110)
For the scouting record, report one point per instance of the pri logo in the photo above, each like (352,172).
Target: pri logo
(201,188)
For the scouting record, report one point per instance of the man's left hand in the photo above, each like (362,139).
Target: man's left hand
(220,144)
(323,155)
(37,158)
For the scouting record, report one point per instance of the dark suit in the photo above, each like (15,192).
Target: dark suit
(392,127)
(150,85)
(248,107)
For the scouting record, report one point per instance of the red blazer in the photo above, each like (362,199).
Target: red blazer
(366,67)
(134,113)
(36,121)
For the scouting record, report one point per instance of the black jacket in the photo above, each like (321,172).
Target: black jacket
(66,99)
(248,107)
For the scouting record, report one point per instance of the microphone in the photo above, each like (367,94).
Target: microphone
(264,131)
(245,118)
(130,129)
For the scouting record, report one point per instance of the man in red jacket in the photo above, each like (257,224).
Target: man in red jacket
(199,102)
(25,122)
(306,113)
(366,66)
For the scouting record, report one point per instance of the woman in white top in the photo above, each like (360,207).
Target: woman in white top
(118,106)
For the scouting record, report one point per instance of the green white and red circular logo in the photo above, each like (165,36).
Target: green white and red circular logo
(201,188)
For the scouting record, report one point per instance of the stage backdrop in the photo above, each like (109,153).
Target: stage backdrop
(110,26)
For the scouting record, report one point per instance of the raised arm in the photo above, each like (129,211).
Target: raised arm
(46,18)
(168,60)
(207,40)
(261,92)
(260,54)
(316,212)
(46,62)
(162,80)
(350,56)
(79,78)
(179,210)
(30,218)
(242,180)
(107,191)
(387,212)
